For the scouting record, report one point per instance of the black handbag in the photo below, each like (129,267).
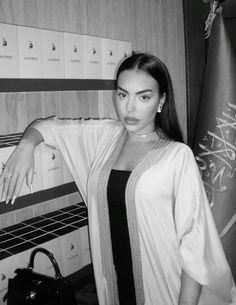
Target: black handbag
(31,288)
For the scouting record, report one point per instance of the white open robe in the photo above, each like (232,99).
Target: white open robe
(169,219)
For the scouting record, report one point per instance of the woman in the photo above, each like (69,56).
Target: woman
(153,239)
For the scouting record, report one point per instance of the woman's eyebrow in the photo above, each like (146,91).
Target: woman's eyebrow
(138,92)
(120,88)
(145,91)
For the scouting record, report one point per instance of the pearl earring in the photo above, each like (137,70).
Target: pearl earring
(160,109)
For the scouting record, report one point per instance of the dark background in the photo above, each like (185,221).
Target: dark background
(195,14)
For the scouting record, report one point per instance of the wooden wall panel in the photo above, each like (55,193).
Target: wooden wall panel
(52,104)
(15,112)
(93,104)
(34,106)
(24,214)
(3,128)
(52,14)
(68,104)
(76,20)
(105,105)
(7,219)
(82,106)
(12,11)
(154,26)
(30,14)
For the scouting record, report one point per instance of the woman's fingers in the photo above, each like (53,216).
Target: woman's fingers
(2,177)
(6,178)
(29,179)
(8,181)
(12,185)
(9,186)
(4,189)
(17,188)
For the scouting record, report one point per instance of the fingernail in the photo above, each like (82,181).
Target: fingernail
(31,189)
(13,199)
(8,198)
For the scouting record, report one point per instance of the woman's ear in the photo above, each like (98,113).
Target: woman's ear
(161,102)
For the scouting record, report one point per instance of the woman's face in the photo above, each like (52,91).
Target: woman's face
(137,101)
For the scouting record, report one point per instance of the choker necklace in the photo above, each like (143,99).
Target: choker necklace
(144,135)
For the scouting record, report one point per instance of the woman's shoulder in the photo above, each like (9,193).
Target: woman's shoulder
(179,156)
(179,146)
(89,124)
(109,125)
(179,150)
(97,122)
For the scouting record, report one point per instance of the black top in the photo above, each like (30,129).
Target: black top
(120,235)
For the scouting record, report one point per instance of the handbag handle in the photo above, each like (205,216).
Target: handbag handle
(50,256)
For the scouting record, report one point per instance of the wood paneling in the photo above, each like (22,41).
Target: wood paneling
(52,104)
(154,26)
(15,112)
(34,106)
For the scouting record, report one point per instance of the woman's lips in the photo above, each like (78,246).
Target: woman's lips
(130,120)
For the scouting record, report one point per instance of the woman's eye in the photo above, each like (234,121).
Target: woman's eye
(144,98)
(121,94)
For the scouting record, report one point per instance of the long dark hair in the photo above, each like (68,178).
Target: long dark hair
(166,120)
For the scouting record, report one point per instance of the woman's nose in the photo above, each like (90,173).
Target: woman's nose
(130,106)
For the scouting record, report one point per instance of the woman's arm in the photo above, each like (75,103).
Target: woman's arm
(190,290)
(19,165)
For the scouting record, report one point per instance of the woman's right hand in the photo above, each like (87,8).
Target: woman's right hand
(19,166)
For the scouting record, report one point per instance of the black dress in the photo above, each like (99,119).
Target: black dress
(120,235)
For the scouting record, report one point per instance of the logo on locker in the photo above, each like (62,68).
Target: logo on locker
(3,166)
(3,276)
(30,45)
(4,42)
(53,47)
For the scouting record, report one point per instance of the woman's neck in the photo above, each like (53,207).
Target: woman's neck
(145,137)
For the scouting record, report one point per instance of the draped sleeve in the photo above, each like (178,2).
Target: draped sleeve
(201,252)
(79,141)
